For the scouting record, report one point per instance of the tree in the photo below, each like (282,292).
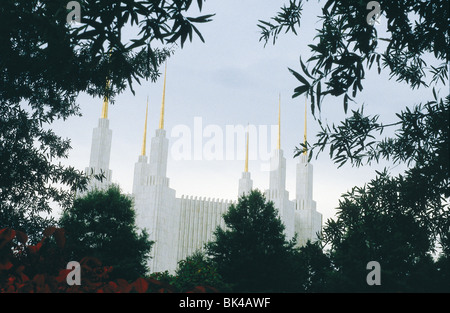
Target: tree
(372,219)
(312,268)
(378,222)
(102,225)
(347,44)
(422,143)
(252,252)
(197,270)
(45,62)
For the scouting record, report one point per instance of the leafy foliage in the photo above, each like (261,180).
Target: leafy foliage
(398,221)
(102,225)
(41,268)
(252,246)
(197,270)
(45,63)
(347,45)
(382,221)
(288,18)
(28,172)
(312,269)
(196,273)
(422,142)
(423,133)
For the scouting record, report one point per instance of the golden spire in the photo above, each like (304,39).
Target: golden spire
(105,102)
(144,142)
(304,138)
(161,118)
(105,98)
(279,125)
(246,154)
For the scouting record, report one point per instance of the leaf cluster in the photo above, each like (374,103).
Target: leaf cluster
(45,63)
(102,225)
(41,268)
(347,45)
(288,18)
(387,220)
(251,246)
(197,270)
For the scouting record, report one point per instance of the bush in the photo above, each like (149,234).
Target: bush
(41,268)
(198,270)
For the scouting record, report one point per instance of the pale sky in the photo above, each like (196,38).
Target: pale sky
(232,79)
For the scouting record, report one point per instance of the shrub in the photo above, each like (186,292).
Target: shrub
(42,268)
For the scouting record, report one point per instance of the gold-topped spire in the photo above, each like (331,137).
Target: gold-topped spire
(246,154)
(304,138)
(144,142)
(279,119)
(105,98)
(105,102)
(161,118)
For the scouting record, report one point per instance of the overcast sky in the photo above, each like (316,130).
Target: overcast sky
(232,79)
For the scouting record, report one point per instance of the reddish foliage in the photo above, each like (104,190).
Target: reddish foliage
(19,262)
(6,235)
(60,238)
(140,285)
(21,237)
(203,289)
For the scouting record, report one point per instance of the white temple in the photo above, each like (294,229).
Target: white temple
(181,226)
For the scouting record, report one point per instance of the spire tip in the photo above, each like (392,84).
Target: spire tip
(161,118)
(144,142)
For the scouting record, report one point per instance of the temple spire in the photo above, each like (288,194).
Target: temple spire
(304,138)
(279,124)
(245,183)
(105,102)
(105,98)
(161,118)
(246,154)
(144,142)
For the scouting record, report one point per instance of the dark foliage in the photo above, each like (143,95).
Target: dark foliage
(102,225)
(45,63)
(252,252)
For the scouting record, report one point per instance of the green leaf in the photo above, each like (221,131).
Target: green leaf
(305,69)
(299,77)
(346,97)
(200,4)
(300,90)
(318,92)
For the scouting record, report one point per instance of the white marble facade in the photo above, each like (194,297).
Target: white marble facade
(100,156)
(181,226)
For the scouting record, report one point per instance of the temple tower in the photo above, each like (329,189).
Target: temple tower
(277,184)
(245,182)
(100,151)
(155,205)
(308,222)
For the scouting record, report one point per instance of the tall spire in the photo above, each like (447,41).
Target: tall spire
(144,142)
(304,138)
(279,125)
(105,98)
(245,183)
(161,118)
(246,154)
(105,102)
